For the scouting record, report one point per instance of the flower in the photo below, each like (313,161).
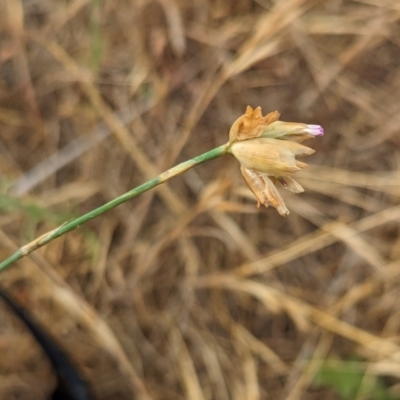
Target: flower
(266,149)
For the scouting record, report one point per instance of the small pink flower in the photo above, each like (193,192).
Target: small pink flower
(315,130)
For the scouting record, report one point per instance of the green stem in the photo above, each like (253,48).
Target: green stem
(75,223)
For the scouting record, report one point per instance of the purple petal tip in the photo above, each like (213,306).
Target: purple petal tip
(315,130)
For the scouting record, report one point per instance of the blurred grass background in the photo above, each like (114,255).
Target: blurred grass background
(190,291)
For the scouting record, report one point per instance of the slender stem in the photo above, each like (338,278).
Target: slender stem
(75,223)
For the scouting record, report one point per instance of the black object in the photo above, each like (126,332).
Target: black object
(70,384)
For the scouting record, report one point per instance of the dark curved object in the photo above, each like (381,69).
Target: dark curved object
(70,385)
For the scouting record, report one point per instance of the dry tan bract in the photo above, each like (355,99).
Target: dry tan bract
(266,149)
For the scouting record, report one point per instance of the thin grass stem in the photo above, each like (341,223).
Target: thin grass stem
(75,223)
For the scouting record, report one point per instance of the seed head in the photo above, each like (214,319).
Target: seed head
(266,149)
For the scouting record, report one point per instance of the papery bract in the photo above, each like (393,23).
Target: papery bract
(266,149)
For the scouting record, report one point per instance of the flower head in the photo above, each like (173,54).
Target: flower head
(266,149)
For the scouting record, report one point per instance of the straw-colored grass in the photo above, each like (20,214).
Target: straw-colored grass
(190,291)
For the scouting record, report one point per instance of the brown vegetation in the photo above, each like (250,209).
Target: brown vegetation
(190,291)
